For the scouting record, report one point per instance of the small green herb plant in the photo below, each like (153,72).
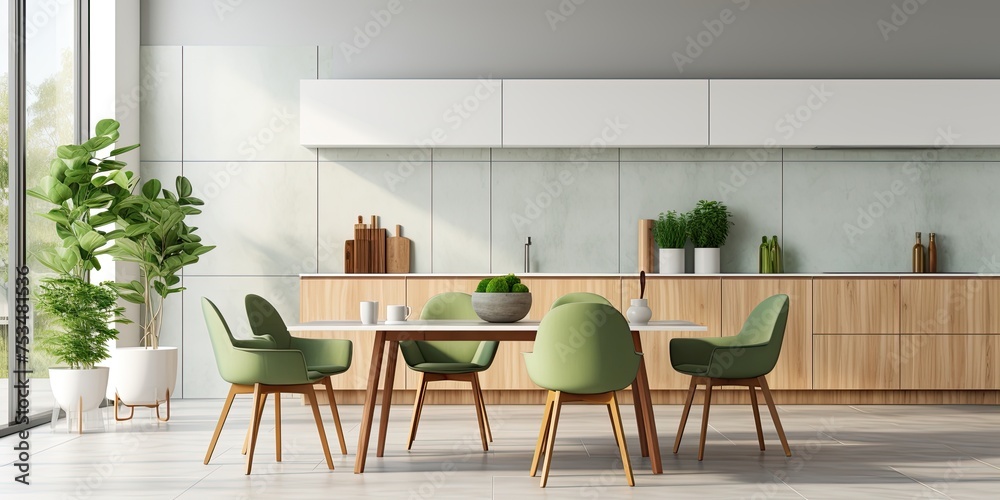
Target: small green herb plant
(84,311)
(502,284)
(708,224)
(671,230)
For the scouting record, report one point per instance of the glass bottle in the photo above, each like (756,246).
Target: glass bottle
(918,256)
(932,255)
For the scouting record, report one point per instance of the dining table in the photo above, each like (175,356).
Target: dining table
(391,334)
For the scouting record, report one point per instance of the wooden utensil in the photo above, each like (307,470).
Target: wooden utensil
(377,235)
(647,245)
(360,247)
(349,256)
(642,284)
(398,253)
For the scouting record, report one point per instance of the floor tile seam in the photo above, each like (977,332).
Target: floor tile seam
(972,457)
(921,483)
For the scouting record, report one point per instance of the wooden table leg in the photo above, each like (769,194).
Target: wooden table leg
(390,377)
(369,412)
(640,388)
(637,402)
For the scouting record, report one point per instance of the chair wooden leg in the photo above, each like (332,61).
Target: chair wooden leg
(684,415)
(259,412)
(479,413)
(774,415)
(258,398)
(277,427)
(704,419)
(222,421)
(551,441)
(543,432)
(336,414)
(756,417)
(418,406)
(478,389)
(620,437)
(311,393)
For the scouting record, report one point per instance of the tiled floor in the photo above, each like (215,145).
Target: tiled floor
(838,452)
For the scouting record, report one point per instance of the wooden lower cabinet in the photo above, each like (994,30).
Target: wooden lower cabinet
(855,306)
(340,299)
(949,306)
(856,362)
(949,361)
(692,299)
(740,296)
(865,340)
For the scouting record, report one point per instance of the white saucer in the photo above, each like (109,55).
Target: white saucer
(396,322)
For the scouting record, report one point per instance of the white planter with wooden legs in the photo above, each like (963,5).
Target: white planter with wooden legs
(143,377)
(78,390)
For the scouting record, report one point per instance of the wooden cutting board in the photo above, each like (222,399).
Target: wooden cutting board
(397,253)
(349,256)
(647,245)
(361,247)
(378,245)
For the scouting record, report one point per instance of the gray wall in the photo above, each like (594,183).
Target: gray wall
(606,38)
(227,117)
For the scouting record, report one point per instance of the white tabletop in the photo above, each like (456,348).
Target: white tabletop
(472,326)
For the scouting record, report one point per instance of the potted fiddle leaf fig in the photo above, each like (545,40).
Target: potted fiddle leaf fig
(708,227)
(155,236)
(84,189)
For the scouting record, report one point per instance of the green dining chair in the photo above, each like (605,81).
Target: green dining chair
(450,360)
(743,360)
(583,354)
(578,297)
(256,367)
(327,356)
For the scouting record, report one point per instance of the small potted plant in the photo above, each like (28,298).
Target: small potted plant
(83,312)
(670,232)
(503,299)
(85,190)
(708,226)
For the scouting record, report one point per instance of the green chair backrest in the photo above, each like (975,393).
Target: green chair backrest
(265,320)
(578,297)
(765,326)
(583,348)
(226,357)
(448,305)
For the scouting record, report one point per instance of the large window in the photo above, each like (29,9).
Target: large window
(51,107)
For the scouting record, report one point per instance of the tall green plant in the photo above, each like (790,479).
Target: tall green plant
(85,189)
(670,230)
(155,236)
(708,224)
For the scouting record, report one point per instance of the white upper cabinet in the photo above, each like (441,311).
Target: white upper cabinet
(855,113)
(400,113)
(605,113)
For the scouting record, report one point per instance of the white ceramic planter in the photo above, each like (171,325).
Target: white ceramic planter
(69,385)
(671,261)
(706,260)
(143,376)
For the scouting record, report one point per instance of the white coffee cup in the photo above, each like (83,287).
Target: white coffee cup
(369,312)
(397,313)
